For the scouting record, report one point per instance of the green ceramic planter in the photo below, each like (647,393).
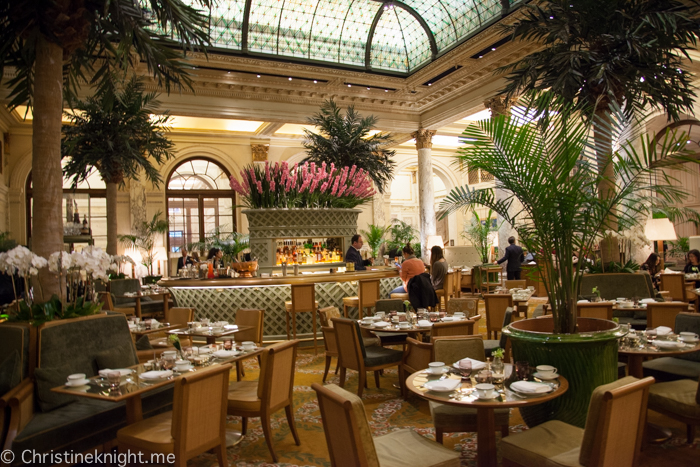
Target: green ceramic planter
(587,360)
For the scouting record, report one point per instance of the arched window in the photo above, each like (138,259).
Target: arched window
(90,200)
(200,199)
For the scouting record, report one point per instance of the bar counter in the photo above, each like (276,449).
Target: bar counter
(220,299)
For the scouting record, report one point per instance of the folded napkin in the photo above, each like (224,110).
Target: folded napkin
(583,301)
(476,364)
(668,345)
(156,374)
(647,300)
(663,331)
(530,387)
(670,271)
(424,323)
(448,384)
(225,353)
(381,324)
(122,371)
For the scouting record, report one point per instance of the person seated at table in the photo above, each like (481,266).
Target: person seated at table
(184,260)
(195,257)
(410,268)
(353,254)
(651,265)
(438,267)
(215,255)
(693,265)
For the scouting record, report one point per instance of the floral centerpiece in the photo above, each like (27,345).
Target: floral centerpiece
(308,185)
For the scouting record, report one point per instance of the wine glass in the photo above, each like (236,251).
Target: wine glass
(168,362)
(465,368)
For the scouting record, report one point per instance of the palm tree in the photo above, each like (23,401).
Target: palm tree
(145,239)
(628,53)
(56,46)
(375,237)
(345,140)
(114,132)
(552,170)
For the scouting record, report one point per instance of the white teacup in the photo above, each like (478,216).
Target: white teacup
(436,367)
(76,377)
(248,345)
(367,320)
(547,371)
(404,324)
(688,336)
(169,353)
(486,390)
(379,314)
(182,364)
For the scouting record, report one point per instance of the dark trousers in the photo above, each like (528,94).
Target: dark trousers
(513,275)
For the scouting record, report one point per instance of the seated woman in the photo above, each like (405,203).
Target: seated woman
(215,255)
(438,267)
(693,265)
(410,268)
(651,265)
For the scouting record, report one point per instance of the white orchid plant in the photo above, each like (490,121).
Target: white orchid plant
(22,262)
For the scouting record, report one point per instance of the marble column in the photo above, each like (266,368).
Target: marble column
(426,191)
(499,105)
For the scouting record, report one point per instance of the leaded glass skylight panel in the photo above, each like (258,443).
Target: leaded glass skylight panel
(438,20)
(470,15)
(327,29)
(388,46)
(227,24)
(356,28)
(263,25)
(415,38)
(295,27)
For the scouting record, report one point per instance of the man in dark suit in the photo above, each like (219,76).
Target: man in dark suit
(515,257)
(184,260)
(353,254)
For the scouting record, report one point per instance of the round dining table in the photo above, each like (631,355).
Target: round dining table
(465,396)
(636,356)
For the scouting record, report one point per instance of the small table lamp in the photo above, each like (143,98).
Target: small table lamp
(659,230)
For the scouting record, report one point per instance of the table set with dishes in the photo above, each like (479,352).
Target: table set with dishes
(486,386)
(149,292)
(653,343)
(210,330)
(410,323)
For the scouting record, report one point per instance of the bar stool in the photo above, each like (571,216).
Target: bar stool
(303,301)
(367,296)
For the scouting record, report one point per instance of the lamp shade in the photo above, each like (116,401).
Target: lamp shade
(435,240)
(660,229)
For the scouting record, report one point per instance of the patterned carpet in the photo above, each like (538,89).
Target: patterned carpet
(387,412)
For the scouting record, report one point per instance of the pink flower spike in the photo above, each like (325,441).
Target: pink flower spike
(260,190)
(352,171)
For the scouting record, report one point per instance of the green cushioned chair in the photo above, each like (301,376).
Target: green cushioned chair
(606,440)
(613,285)
(352,353)
(685,366)
(679,400)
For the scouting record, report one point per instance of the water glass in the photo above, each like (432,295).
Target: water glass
(465,367)
(484,376)
(498,368)
(168,362)
(114,378)
(228,344)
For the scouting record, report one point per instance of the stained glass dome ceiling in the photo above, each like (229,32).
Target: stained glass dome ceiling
(389,36)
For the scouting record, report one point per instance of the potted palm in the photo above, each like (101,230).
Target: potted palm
(551,168)
(145,240)
(480,234)
(375,238)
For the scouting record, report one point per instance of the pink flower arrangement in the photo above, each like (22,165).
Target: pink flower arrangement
(275,185)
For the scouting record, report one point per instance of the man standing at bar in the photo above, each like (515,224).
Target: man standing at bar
(515,257)
(353,254)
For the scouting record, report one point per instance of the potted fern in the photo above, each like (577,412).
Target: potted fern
(552,169)
(375,239)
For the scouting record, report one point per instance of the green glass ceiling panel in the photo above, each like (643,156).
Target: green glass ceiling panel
(388,47)
(295,27)
(263,25)
(356,28)
(468,15)
(415,39)
(227,24)
(438,20)
(327,29)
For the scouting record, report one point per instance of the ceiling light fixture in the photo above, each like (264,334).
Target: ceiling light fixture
(258,76)
(290,78)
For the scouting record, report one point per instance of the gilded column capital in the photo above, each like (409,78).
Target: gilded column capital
(500,105)
(424,138)
(259,152)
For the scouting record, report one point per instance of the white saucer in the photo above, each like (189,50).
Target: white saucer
(692,340)
(187,368)
(77,382)
(495,396)
(546,378)
(442,371)
(447,385)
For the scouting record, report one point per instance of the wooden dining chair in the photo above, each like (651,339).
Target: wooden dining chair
(179,315)
(467,305)
(679,400)
(598,310)
(416,357)
(447,291)
(675,285)
(664,314)
(196,424)
(464,327)
(454,419)
(367,296)
(515,284)
(273,391)
(303,301)
(612,437)
(457,281)
(496,305)
(353,355)
(503,343)
(350,441)
(253,318)
(108,304)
